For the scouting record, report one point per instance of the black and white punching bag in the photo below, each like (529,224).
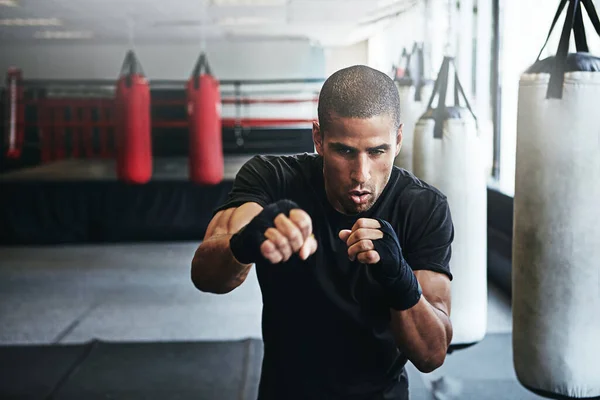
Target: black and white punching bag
(556,241)
(414,91)
(448,155)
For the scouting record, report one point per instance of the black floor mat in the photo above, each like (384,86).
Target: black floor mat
(218,371)
(132,371)
(33,372)
(203,370)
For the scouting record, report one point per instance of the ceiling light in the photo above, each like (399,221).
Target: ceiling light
(63,35)
(8,3)
(249,3)
(30,22)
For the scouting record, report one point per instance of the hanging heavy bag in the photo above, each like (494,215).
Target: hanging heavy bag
(555,270)
(206,161)
(133,130)
(414,90)
(447,155)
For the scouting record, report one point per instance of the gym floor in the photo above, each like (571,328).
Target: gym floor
(87,297)
(124,321)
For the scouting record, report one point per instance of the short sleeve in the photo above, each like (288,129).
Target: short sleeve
(256,181)
(432,249)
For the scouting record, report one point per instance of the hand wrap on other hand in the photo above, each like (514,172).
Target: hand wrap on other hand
(245,244)
(402,289)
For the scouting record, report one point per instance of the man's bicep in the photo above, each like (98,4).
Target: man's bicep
(231,220)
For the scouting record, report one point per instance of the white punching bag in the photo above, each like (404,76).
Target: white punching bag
(448,156)
(414,91)
(556,241)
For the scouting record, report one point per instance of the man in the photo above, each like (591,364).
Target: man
(352,254)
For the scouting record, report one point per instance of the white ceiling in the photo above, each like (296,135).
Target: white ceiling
(328,22)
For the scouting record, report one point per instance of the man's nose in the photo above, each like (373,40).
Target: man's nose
(361,169)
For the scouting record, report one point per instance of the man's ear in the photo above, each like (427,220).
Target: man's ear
(317,138)
(399,139)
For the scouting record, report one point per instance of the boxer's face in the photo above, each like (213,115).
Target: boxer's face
(358,156)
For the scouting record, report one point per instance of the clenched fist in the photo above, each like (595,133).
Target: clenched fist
(360,240)
(278,231)
(374,242)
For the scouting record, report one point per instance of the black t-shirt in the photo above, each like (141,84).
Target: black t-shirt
(325,324)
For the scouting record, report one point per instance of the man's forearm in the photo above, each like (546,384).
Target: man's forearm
(214,269)
(423,334)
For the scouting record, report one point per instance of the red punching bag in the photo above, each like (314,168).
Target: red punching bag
(204,108)
(133,133)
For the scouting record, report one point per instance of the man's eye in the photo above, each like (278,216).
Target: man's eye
(377,152)
(344,151)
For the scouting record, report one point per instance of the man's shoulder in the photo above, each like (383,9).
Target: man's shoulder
(264,179)
(409,187)
(282,164)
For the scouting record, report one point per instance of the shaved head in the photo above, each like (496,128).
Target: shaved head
(358,92)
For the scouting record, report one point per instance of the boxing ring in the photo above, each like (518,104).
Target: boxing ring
(59,169)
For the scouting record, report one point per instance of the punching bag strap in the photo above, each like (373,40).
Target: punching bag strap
(131,66)
(441,86)
(457,92)
(436,85)
(579,32)
(439,113)
(580,38)
(562,5)
(201,64)
(458,89)
(573,22)
(557,77)
(591,10)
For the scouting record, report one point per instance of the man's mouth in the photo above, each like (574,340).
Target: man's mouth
(359,196)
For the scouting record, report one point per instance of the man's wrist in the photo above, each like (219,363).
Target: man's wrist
(399,282)
(241,250)
(245,244)
(404,292)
